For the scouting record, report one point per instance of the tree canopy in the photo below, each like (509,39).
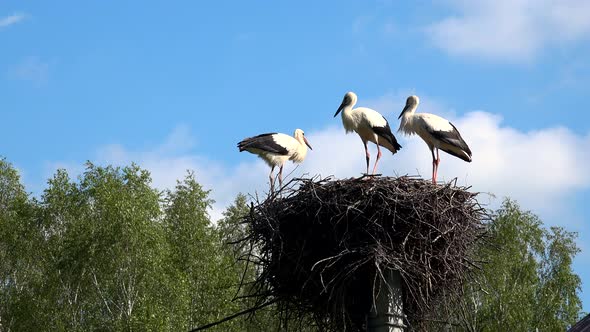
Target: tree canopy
(526,282)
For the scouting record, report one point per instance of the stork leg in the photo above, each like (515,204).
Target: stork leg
(433,167)
(435,162)
(281,177)
(378,157)
(271,179)
(367,155)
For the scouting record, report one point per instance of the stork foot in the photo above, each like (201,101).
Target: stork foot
(367,176)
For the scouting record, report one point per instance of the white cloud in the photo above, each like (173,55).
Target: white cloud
(513,30)
(540,168)
(12,19)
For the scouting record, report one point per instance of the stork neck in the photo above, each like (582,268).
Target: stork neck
(300,151)
(409,112)
(301,141)
(346,110)
(406,122)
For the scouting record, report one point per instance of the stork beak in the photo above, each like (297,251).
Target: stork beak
(340,108)
(307,143)
(407,108)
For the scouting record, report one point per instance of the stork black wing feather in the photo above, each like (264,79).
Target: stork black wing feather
(385,132)
(264,142)
(452,137)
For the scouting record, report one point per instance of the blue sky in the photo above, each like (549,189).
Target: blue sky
(174,86)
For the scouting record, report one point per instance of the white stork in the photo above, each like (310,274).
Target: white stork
(437,132)
(369,125)
(276,148)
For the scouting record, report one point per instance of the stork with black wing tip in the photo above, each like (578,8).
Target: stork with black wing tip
(276,148)
(369,125)
(437,132)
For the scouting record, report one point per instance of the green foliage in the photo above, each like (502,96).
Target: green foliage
(527,282)
(21,255)
(231,228)
(204,292)
(108,252)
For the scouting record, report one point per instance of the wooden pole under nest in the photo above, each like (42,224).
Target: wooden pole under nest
(387,315)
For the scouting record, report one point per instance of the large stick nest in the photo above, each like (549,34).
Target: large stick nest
(322,245)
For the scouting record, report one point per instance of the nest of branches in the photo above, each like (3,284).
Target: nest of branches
(322,245)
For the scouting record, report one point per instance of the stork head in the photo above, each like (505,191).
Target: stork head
(411,105)
(349,100)
(300,136)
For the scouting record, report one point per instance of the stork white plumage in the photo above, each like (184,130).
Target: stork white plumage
(276,148)
(369,125)
(437,132)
